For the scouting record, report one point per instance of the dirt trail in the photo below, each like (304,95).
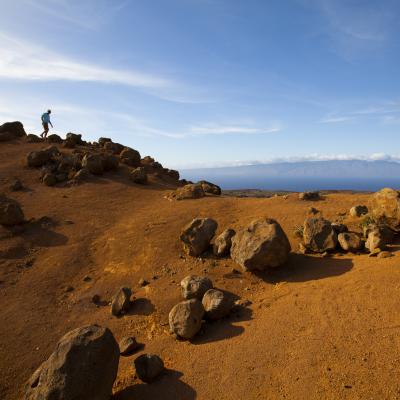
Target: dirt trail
(319,328)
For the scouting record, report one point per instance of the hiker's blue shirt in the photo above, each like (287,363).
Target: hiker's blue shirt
(46,118)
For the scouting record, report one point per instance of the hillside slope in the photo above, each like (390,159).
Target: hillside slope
(316,328)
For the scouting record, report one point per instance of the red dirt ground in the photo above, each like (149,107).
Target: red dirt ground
(318,328)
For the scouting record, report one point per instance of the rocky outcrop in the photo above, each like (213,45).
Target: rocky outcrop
(262,245)
(318,235)
(114,148)
(197,235)
(84,365)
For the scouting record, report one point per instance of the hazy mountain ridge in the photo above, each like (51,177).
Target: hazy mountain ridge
(333,174)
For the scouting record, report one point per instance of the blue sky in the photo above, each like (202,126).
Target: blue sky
(209,82)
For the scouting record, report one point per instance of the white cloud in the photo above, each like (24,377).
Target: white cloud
(25,61)
(333,120)
(215,129)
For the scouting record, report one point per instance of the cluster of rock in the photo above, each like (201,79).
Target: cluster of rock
(84,365)
(262,245)
(202,301)
(195,191)
(381,222)
(93,159)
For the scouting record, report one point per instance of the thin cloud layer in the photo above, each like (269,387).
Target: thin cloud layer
(22,60)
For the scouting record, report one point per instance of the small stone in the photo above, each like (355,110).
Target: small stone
(128,345)
(16,185)
(121,301)
(143,282)
(87,278)
(96,299)
(68,289)
(148,367)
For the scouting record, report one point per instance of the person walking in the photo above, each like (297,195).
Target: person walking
(45,122)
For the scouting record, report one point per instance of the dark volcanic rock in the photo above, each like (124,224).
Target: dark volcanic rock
(196,236)
(148,367)
(121,301)
(84,365)
(185,318)
(262,245)
(10,212)
(194,287)
(318,235)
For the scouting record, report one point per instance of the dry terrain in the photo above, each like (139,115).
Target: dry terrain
(317,328)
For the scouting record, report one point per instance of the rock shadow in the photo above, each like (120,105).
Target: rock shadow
(141,306)
(223,329)
(167,387)
(303,268)
(40,233)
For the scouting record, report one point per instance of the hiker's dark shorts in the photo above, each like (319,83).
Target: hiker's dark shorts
(45,126)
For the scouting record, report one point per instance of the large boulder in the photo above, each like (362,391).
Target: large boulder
(223,243)
(358,211)
(350,241)
(318,235)
(93,163)
(103,141)
(15,129)
(6,136)
(185,318)
(190,191)
(197,235)
(130,157)
(217,304)
(385,207)
(378,237)
(210,188)
(194,287)
(10,212)
(84,365)
(262,245)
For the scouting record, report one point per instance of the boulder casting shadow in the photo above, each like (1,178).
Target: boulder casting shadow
(167,387)
(303,268)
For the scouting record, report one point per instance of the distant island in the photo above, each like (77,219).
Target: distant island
(299,176)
